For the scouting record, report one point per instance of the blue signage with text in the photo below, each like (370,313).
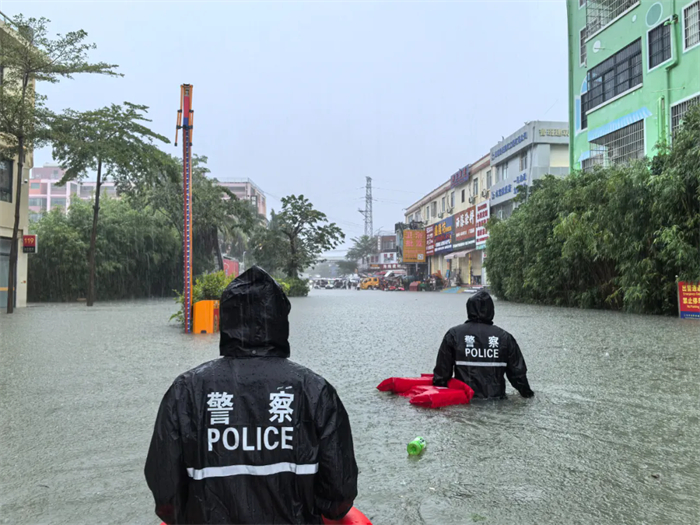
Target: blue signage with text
(517,140)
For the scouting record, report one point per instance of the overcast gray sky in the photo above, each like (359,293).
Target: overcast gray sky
(311,97)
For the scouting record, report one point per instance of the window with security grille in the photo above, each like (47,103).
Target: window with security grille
(619,147)
(678,112)
(691,25)
(600,13)
(614,76)
(659,45)
(582,49)
(588,164)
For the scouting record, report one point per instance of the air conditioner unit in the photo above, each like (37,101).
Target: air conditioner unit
(484,193)
(472,200)
(441,215)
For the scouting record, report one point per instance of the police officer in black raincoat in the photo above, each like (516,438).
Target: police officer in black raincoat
(480,353)
(252,437)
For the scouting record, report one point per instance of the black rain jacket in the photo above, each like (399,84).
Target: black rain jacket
(252,437)
(480,353)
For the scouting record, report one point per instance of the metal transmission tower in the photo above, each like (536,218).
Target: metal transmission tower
(367,212)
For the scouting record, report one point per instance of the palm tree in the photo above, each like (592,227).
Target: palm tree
(362,248)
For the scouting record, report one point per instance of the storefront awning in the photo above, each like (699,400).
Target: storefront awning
(620,123)
(457,255)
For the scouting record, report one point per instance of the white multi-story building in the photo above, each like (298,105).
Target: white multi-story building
(45,194)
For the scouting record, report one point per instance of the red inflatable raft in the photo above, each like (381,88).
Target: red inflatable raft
(420,391)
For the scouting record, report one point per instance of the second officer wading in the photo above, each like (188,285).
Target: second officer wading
(480,353)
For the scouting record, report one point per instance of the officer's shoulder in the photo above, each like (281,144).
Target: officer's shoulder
(200,371)
(501,332)
(312,382)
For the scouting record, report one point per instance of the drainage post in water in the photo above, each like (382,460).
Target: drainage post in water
(416,447)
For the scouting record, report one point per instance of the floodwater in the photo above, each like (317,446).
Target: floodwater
(611,436)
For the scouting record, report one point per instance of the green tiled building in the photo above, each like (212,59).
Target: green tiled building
(634,70)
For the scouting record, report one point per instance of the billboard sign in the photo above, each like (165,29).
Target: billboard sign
(414,246)
(689,300)
(460,177)
(430,241)
(465,229)
(442,237)
(482,217)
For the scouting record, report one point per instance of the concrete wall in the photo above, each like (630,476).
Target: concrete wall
(559,156)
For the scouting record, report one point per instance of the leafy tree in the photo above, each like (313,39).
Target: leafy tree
(295,238)
(217,214)
(27,56)
(362,248)
(347,266)
(136,254)
(267,246)
(115,143)
(616,237)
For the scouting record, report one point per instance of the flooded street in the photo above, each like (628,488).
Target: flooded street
(611,436)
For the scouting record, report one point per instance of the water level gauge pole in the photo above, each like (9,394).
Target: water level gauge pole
(185,122)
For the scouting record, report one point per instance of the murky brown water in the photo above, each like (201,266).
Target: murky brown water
(617,401)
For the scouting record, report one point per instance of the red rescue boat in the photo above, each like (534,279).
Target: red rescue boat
(420,391)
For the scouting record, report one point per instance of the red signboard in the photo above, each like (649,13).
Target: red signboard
(465,229)
(29,244)
(231,268)
(482,217)
(430,241)
(689,300)
(414,246)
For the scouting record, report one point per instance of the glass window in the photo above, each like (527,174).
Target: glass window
(38,202)
(659,45)
(34,185)
(488,180)
(462,195)
(6,180)
(476,187)
(434,209)
(614,76)
(582,49)
(691,25)
(58,202)
(523,161)
(452,199)
(504,171)
(443,204)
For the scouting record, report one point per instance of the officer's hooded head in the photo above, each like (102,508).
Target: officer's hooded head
(254,317)
(480,308)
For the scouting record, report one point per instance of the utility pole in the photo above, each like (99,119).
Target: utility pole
(367,212)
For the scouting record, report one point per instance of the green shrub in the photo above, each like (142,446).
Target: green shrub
(207,287)
(295,287)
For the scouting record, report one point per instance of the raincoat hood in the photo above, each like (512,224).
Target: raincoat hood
(254,317)
(480,308)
